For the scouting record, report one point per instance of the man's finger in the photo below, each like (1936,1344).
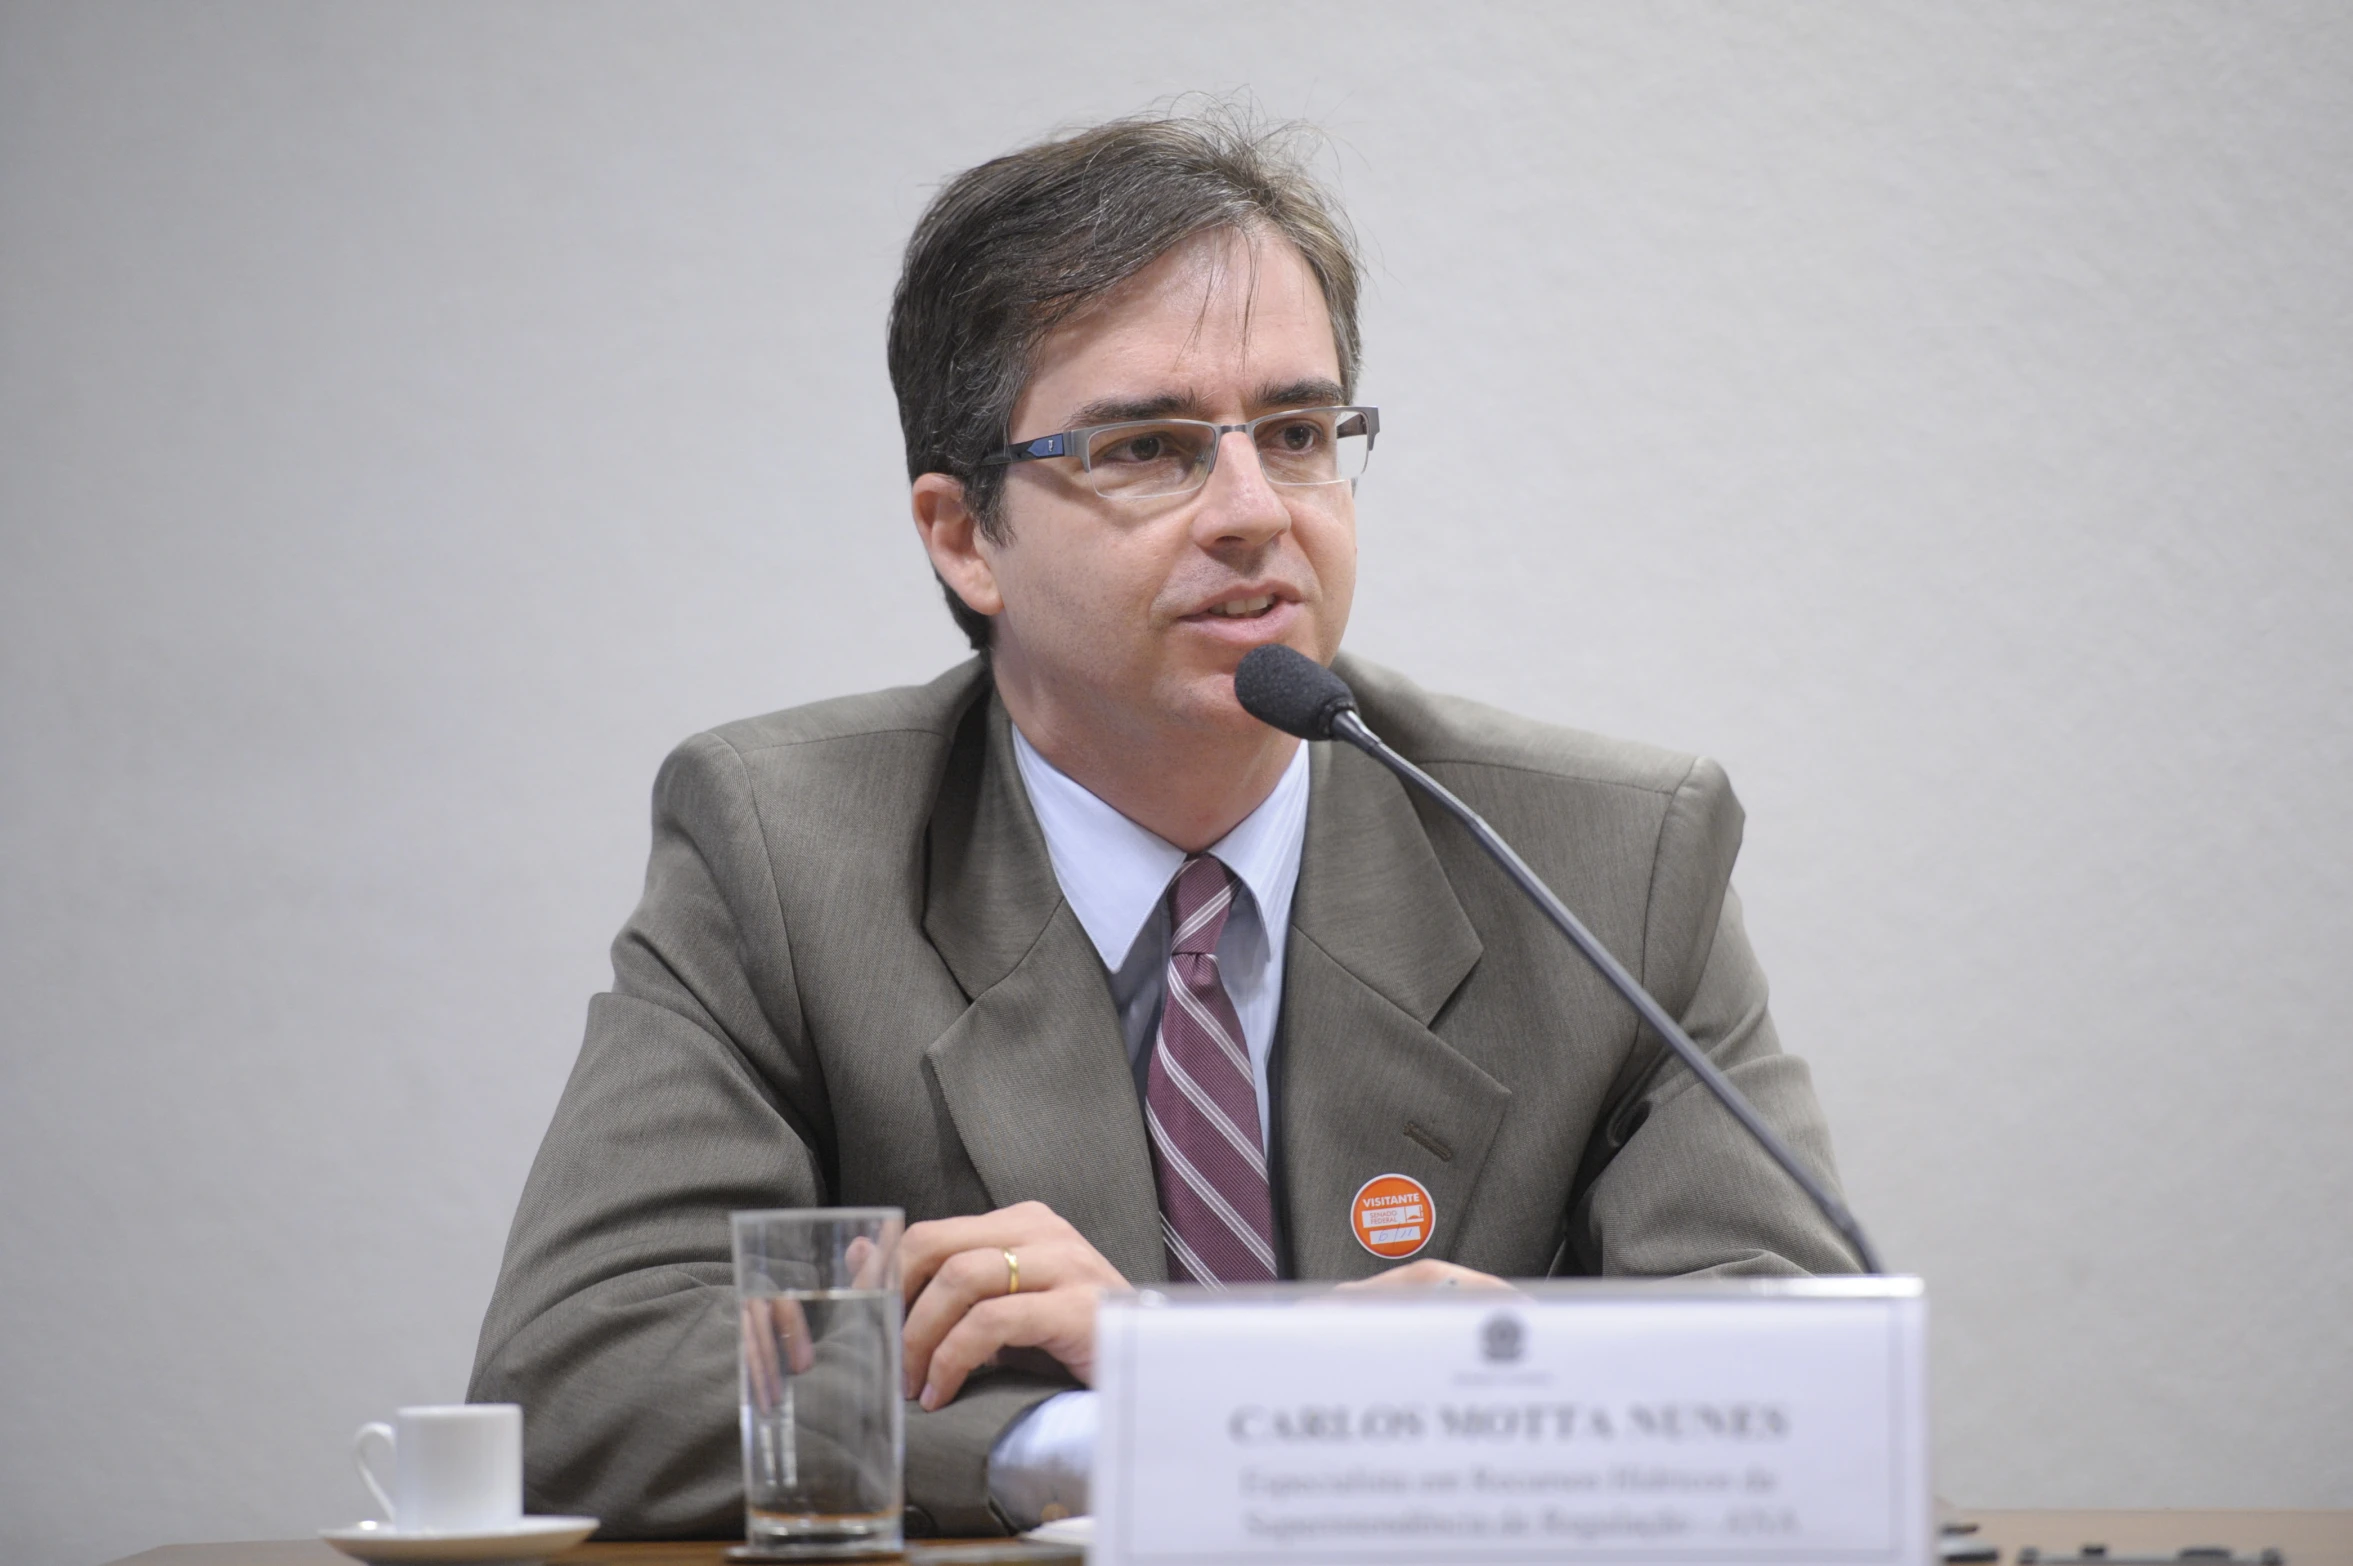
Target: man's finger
(868,1258)
(961,1284)
(759,1355)
(1428,1273)
(1017,1321)
(928,1245)
(952,1268)
(771,1322)
(800,1349)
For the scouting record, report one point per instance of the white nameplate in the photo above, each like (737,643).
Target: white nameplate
(1722,1422)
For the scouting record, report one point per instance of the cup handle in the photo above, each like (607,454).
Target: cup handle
(359,1460)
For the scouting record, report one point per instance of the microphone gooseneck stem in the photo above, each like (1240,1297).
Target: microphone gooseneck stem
(1348,726)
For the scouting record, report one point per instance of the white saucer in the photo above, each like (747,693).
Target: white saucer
(529,1540)
(1078,1531)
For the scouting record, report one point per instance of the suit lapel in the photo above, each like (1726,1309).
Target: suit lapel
(1378,944)
(1034,1072)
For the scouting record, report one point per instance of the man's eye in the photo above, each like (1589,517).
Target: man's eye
(1157,447)
(1303,435)
(1149,447)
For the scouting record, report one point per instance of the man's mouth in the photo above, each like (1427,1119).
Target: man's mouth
(1243,608)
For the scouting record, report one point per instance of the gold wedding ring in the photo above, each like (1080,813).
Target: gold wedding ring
(1012,1274)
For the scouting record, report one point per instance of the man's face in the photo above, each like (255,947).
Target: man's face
(1121,617)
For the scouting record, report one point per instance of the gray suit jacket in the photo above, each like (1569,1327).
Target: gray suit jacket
(853,980)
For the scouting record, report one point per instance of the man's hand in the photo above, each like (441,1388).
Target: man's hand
(1429,1274)
(776,1341)
(775,1344)
(961,1309)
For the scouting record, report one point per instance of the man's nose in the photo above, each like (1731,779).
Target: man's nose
(1240,504)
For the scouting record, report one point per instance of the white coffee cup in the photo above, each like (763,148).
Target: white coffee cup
(456,1467)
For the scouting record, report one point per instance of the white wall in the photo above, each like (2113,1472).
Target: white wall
(414,419)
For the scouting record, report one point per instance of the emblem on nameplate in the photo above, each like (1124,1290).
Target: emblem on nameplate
(1502,1338)
(1393,1216)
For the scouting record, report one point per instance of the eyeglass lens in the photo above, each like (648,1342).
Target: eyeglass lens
(1170,456)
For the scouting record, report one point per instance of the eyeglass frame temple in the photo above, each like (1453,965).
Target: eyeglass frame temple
(1058,444)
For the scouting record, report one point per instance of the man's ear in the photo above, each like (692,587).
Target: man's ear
(951,536)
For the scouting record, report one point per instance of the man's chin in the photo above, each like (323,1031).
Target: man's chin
(1207,702)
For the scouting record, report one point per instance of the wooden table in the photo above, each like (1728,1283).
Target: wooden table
(2306,1538)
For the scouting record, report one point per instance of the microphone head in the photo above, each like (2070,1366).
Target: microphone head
(1285,689)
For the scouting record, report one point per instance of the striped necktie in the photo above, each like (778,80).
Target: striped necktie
(1216,1212)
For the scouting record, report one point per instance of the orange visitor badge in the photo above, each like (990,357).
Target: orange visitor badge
(1393,1215)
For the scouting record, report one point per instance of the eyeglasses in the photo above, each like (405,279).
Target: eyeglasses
(1143,459)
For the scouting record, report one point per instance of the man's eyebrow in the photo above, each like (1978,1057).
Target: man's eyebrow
(1314,392)
(1118,410)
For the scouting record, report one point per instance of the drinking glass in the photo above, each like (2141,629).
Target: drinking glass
(823,1425)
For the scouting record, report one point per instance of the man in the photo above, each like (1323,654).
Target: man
(1101,980)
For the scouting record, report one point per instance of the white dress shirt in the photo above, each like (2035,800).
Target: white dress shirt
(1115,876)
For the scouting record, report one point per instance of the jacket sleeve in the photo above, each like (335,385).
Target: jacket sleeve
(1672,1184)
(696,1093)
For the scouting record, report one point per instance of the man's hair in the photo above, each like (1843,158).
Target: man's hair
(1010,249)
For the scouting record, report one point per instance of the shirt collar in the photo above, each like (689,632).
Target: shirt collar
(1114,872)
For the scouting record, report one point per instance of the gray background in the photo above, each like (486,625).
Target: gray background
(417,418)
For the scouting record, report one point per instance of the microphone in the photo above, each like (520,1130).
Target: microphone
(1285,689)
